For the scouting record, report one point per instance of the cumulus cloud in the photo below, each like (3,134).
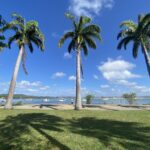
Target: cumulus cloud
(58,75)
(105,86)
(67,55)
(134,87)
(72,78)
(26,84)
(89,7)
(114,70)
(26,87)
(119,73)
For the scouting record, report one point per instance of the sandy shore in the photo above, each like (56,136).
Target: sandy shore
(71,107)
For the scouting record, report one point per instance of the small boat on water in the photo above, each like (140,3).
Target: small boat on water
(61,100)
(105,99)
(45,100)
(84,100)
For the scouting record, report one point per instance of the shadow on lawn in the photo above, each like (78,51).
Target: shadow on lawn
(13,127)
(107,130)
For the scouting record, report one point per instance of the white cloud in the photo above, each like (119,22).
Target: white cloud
(72,78)
(26,84)
(105,86)
(32,90)
(95,77)
(26,87)
(44,88)
(114,70)
(134,87)
(118,73)
(58,75)
(89,7)
(67,55)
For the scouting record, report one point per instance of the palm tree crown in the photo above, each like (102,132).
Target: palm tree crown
(82,35)
(138,34)
(26,34)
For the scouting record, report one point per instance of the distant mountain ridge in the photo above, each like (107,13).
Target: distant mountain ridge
(23,96)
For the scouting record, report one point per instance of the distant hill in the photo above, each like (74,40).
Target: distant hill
(23,96)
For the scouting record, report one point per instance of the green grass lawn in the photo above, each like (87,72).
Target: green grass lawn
(74,130)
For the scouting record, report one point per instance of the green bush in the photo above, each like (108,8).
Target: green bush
(89,99)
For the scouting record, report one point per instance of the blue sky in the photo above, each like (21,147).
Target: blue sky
(107,71)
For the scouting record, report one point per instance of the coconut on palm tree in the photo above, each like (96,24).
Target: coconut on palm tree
(139,35)
(82,36)
(25,35)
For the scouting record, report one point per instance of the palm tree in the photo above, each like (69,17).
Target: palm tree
(26,34)
(139,35)
(2,37)
(82,36)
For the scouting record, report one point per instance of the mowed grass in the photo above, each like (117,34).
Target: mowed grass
(74,130)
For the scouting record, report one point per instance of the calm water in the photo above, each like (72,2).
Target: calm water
(69,101)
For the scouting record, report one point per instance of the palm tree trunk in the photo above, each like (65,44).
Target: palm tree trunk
(147,59)
(8,104)
(78,104)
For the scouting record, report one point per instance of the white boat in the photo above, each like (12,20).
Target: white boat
(61,100)
(105,99)
(84,100)
(45,100)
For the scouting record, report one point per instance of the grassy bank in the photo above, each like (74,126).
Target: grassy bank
(70,130)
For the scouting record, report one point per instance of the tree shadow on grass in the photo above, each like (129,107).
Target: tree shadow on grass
(16,134)
(129,135)
(12,129)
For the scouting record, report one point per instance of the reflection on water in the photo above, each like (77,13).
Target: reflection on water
(70,101)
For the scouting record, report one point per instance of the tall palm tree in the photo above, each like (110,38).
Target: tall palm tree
(25,34)
(139,35)
(2,37)
(82,36)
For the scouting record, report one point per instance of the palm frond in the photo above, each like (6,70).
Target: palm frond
(124,42)
(83,20)
(85,49)
(129,25)
(2,45)
(71,46)
(94,35)
(30,47)
(12,39)
(90,42)
(10,26)
(92,28)
(65,37)
(38,42)
(144,23)
(18,18)
(135,49)
(123,33)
